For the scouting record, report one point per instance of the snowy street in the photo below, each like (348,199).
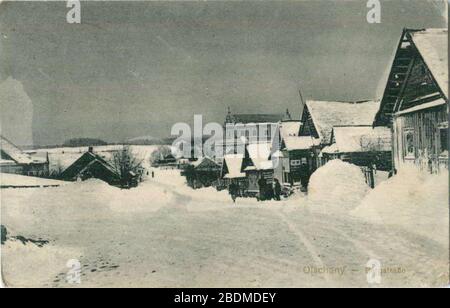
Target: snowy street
(163,234)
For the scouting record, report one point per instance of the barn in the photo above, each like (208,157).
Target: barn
(14,160)
(415,101)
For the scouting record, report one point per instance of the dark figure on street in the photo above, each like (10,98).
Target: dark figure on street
(233,189)
(262,189)
(305,176)
(265,190)
(153,174)
(277,190)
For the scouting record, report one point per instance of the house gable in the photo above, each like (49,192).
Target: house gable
(5,156)
(412,81)
(308,127)
(84,163)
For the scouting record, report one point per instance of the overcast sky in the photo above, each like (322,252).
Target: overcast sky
(134,69)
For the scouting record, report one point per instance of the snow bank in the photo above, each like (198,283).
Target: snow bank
(21,180)
(337,186)
(147,197)
(31,266)
(415,201)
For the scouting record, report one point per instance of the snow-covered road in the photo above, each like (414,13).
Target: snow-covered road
(163,234)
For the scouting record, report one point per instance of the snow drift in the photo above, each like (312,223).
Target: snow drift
(337,186)
(413,200)
(44,263)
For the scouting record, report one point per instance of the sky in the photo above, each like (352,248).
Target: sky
(134,69)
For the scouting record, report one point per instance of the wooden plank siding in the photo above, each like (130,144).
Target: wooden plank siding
(421,139)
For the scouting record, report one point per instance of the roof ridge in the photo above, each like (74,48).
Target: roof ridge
(345,102)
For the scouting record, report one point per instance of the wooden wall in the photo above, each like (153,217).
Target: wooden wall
(421,139)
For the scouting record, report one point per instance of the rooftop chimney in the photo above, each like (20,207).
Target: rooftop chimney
(91,149)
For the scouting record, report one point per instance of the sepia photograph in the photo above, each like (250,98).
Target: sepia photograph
(254,145)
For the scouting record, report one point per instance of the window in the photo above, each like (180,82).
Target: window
(409,150)
(296,162)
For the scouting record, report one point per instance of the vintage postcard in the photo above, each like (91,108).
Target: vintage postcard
(224,144)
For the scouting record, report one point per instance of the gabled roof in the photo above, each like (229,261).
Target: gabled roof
(300,143)
(206,164)
(259,154)
(354,139)
(433,47)
(418,73)
(86,160)
(325,115)
(232,166)
(290,129)
(14,152)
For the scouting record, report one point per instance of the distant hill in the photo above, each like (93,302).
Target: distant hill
(84,142)
(149,140)
(144,140)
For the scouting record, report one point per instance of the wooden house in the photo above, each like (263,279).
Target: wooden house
(233,172)
(92,165)
(295,153)
(415,101)
(258,166)
(14,160)
(203,173)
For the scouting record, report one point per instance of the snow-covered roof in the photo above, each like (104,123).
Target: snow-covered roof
(85,161)
(290,129)
(233,162)
(351,139)
(326,114)
(433,46)
(6,162)
(206,163)
(300,143)
(39,157)
(331,149)
(14,152)
(259,154)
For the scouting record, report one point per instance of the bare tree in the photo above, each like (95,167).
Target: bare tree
(126,164)
(57,171)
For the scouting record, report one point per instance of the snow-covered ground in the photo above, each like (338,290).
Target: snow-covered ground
(164,234)
(27,181)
